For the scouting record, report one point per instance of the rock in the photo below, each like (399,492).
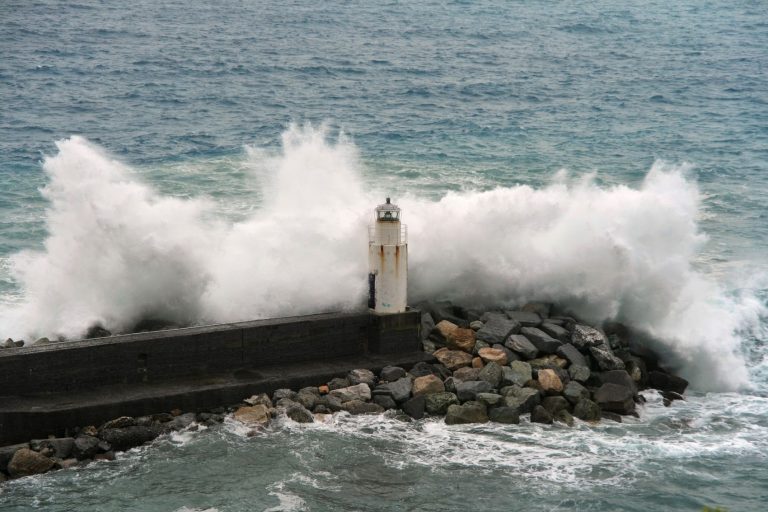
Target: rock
(125,438)
(587,410)
(85,447)
(615,398)
(26,462)
(391,373)
(461,339)
(541,415)
(357,392)
(519,344)
(162,417)
(467,391)
(636,370)
(519,373)
(467,413)
(97,331)
(356,407)
(584,336)
(550,361)
(361,376)
(400,390)
(476,325)
(619,377)
(300,414)
(477,362)
(543,342)
(489,399)
(338,383)
(451,383)
(442,310)
(308,399)
(467,373)
(438,403)
(109,455)
(255,415)
(42,341)
(9,343)
(523,400)
(572,355)
(554,404)
(497,328)
(505,414)
(511,356)
(385,401)
(556,331)
(542,309)
(68,463)
(579,373)
(550,382)
(608,415)
(666,382)
(441,371)
(332,403)
(605,358)
(6,454)
(525,318)
(575,392)
(563,416)
(445,328)
(324,389)
(121,422)
(182,421)
(427,325)
(426,385)
(415,407)
(478,346)
(422,368)
(284,393)
(60,447)
(453,359)
(492,374)
(19,343)
(493,355)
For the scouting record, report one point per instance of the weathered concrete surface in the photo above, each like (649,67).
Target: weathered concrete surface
(50,388)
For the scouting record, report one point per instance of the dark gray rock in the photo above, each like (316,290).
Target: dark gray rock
(579,373)
(608,415)
(284,393)
(505,414)
(438,403)
(521,345)
(125,438)
(572,355)
(492,374)
(554,404)
(361,376)
(543,342)
(666,382)
(356,407)
(450,384)
(619,377)
(60,447)
(182,421)
(391,373)
(511,356)
(525,318)
(497,328)
(615,398)
(468,413)
(541,415)
(489,399)
(121,422)
(521,399)
(519,373)
(330,402)
(415,407)
(442,310)
(605,359)
(299,414)
(85,447)
(587,410)
(307,399)
(338,383)
(400,390)
(385,401)
(427,324)
(563,416)
(422,369)
(468,390)
(575,392)
(584,336)
(559,333)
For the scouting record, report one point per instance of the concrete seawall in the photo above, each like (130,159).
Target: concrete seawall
(51,388)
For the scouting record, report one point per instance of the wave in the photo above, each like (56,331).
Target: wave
(118,251)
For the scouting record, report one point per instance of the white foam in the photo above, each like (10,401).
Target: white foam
(119,251)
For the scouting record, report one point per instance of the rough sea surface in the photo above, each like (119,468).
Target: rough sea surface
(203,162)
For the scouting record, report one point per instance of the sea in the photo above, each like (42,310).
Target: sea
(199,162)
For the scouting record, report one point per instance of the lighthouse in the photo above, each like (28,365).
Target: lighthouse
(387,261)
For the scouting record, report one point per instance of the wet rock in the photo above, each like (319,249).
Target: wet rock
(489,399)
(338,383)
(608,415)
(492,374)
(415,407)
(467,373)
(579,373)
(385,401)
(308,398)
(525,318)
(615,398)
(26,462)
(563,416)
(254,415)
(182,421)
(466,413)
(361,376)
(400,390)
(524,399)
(284,393)
(467,391)
(496,328)
(549,381)
(6,454)
(356,407)
(332,403)
(572,355)
(554,404)
(60,447)
(357,392)
(605,359)
(505,414)
(557,332)
(300,414)
(519,344)
(452,359)
(587,410)
(543,342)
(162,417)
(109,455)
(493,355)
(427,385)
(666,382)
(542,309)
(575,392)
(583,337)
(391,373)
(461,339)
(636,370)
(125,438)
(85,447)
(121,422)
(541,415)
(619,377)
(438,403)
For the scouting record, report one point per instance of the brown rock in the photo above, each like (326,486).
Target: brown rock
(26,462)
(461,339)
(254,416)
(495,355)
(323,389)
(467,373)
(453,359)
(550,382)
(477,363)
(446,328)
(427,384)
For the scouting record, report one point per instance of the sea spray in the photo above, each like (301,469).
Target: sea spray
(118,251)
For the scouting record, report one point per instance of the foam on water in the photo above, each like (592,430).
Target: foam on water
(119,251)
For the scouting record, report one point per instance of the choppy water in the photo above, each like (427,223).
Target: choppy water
(190,183)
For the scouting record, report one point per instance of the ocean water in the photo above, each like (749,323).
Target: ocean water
(203,162)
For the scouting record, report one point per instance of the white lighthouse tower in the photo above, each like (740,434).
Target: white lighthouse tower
(387,261)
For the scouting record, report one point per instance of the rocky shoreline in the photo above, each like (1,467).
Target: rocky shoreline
(496,366)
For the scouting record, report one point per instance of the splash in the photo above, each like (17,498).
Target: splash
(118,251)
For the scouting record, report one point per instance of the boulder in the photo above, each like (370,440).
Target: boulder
(444,329)
(85,447)
(440,370)
(299,414)
(451,383)
(415,407)
(125,438)
(575,392)
(357,392)
(619,377)
(122,421)
(492,374)
(427,384)
(356,407)
(524,318)
(563,416)
(461,339)
(260,399)
(505,414)
(478,346)
(467,391)
(400,390)
(338,383)
(391,373)
(385,401)
(519,373)
(284,393)
(438,403)
(554,404)
(584,336)
(542,309)
(521,345)
(543,342)
(541,415)
(60,447)
(26,462)
(181,421)
(427,324)
(493,355)
(666,382)
(572,355)
(441,310)
(511,356)
(478,363)
(615,398)
(467,373)
(579,373)
(330,402)
(587,410)
(254,415)
(497,328)
(489,399)
(605,358)
(9,343)
(452,359)
(636,370)
(6,454)
(608,415)
(550,382)
(467,413)
(523,400)
(308,399)
(559,333)
(361,376)
(423,368)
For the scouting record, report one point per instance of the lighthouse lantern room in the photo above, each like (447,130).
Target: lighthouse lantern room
(387,261)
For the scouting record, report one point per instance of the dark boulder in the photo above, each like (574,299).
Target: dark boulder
(125,438)
(471,412)
(400,390)
(585,336)
(554,404)
(385,401)
(605,358)
(525,318)
(85,447)
(427,324)
(619,377)
(60,447)
(438,403)
(415,407)
(559,333)
(615,398)
(468,390)
(97,331)
(579,373)
(356,407)
(492,374)
(575,392)
(666,382)
(543,342)
(497,328)
(587,410)
(563,416)
(572,355)
(505,414)
(519,344)
(608,415)
(391,373)
(541,415)
(521,399)
(338,383)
